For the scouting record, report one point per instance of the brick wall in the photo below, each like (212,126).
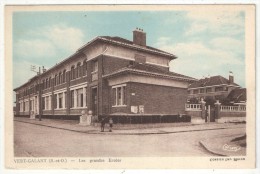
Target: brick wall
(113,64)
(156,99)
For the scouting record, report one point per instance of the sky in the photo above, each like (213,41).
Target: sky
(207,43)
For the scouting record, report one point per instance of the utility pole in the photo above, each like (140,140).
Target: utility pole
(33,68)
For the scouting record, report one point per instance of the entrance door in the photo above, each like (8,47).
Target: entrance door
(94,100)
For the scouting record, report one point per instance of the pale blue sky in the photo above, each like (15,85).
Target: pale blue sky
(206,43)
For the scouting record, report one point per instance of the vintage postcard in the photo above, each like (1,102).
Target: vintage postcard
(130,86)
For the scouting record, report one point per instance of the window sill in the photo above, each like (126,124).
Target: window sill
(80,108)
(60,84)
(59,109)
(76,78)
(115,106)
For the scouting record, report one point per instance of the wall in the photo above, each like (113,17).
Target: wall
(112,64)
(232,114)
(130,54)
(158,99)
(194,113)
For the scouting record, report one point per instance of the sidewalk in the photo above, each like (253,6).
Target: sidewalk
(223,146)
(73,125)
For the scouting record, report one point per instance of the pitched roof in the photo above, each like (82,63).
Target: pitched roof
(122,40)
(151,70)
(128,43)
(113,40)
(212,81)
(237,95)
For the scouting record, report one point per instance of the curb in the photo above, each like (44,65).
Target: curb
(211,151)
(112,133)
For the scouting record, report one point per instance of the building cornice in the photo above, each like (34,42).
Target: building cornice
(129,70)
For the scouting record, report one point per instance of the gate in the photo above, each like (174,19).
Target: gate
(210,114)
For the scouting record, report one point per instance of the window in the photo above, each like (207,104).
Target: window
(31,105)
(80,97)
(56,79)
(72,73)
(43,103)
(95,66)
(72,99)
(65,99)
(209,90)
(26,103)
(47,102)
(60,100)
(55,101)
(49,81)
(219,89)
(196,91)
(43,84)
(21,106)
(84,68)
(202,90)
(119,94)
(78,72)
(64,76)
(60,78)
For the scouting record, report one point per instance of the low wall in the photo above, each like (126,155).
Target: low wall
(232,114)
(227,117)
(193,113)
(144,119)
(230,119)
(63,117)
(22,115)
(195,117)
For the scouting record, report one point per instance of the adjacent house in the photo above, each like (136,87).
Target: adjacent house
(215,87)
(109,76)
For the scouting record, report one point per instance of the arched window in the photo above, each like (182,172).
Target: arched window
(77,70)
(84,68)
(60,78)
(72,73)
(43,86)
(56,79)
(49,81)
(64,75)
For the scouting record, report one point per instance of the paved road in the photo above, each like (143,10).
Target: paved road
(39,141)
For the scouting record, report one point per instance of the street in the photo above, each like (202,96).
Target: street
(40,141)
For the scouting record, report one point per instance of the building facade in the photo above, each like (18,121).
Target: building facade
(109,76)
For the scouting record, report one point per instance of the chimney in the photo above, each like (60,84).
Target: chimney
(231,77)
(43,69)
(139,37)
